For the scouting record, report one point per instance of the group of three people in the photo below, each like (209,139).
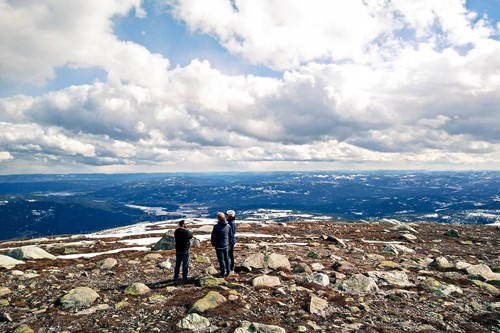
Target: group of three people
(223,238)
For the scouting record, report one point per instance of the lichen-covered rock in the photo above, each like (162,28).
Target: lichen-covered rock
(487,287)
(211,281)
(484,273)
(136,288)
(23,329)
(79,297)
(30,252)
(194,322)
(320,279)
(211,300)
(248,327)
(437,288)
(358,284)
(390,278)
(441,262)
(4,291)
(256,260)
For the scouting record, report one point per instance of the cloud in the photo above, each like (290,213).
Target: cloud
(387,84)
(286,35)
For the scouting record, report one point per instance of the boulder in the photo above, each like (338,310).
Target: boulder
(317,305)
(167,242)
(358,284)
(136,288)
(9,262)
(320,279)
(441,262)
(278,262)
(390,278)
(107,263)
(194,322)
(437,288)
(30,252)
(248,327)
(79,297)
(211,300)
(484,273)
(266,281)
(256,260)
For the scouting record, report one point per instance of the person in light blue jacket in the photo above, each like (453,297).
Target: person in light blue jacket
(222,237)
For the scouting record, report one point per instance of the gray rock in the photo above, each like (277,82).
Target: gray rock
(484,273)
(194,322)
(166,264)
(320,279)
(248,327)
(358,284)
(107,263)
(167,242)
(30,252)
(317,305)
(337,241)
(266,281)
(452,233)
(9,262)
(4,291)
(278,261)
(256,260)
(79,297)
(462,265)
(390,278)
(404,228)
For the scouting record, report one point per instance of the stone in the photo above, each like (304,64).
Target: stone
(437,288)
(391,278)
(194,322)
(320,279)
(278,262)
(93,309)
(107,263)
(211,281)
(337,241)
(462,265)
(452,233)
(404,228)
(202,260)
(9,262)
(136,288)
(487,287)
(484,273)
(153,256)
(441,262)
(409,237)
(4,291)
(167,242)
(30,252)
(79,297)
(211,300)
(358,284)
(388,222)
(388,264)
(317,305)
(343,266)
(266,281)
(166,264)
(23,329)
(248,327)
(256,260)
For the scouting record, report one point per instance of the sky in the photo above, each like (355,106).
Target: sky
(248,85)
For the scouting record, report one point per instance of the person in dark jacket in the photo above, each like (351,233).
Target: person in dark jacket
(221,238)
(182,245)
(230,217)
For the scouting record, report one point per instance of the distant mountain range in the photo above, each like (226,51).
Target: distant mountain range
(38,205)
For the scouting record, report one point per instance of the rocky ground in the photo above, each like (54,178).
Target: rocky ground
(326,277)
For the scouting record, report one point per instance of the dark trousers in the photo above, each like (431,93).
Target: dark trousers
(231,257)
(181,257)
(223,258)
